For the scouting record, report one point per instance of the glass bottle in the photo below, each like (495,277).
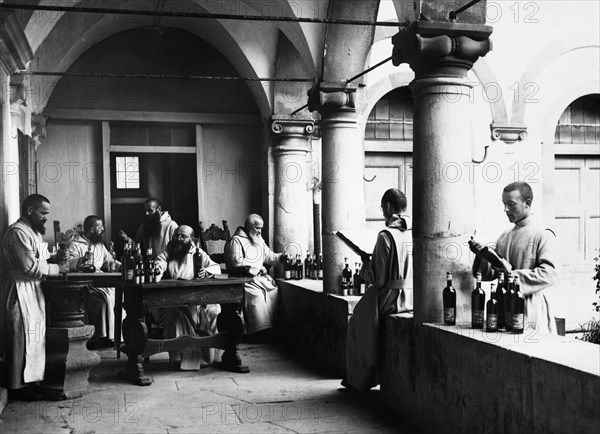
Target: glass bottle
(477,305)
(449,301)
(518,314)
(491,307)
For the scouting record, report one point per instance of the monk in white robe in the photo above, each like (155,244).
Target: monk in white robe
(157,229)
(177,262)
(100,303)
(23,313)
(246,255)
(529,251)
(389,277)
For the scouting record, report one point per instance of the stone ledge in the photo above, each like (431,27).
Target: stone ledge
(455,379)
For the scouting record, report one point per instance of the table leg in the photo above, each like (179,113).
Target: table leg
(135,334)
(118,318)
(229,320)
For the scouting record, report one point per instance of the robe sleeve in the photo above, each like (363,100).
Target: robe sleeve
(545,272)
(271,258)
(208,264)
(160,264)
(21,252)
(375,272)
(73,255)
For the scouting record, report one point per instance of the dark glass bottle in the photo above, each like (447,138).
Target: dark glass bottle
(491,307)
(509,302)
(362,284)
(287,268)
(356,280)
(197,260)
(307,266)
(346,279)
(477,305)
(139,266)
(518,314)
(500,297)
(129,261)
(149,266)
(449,301)
(320,267)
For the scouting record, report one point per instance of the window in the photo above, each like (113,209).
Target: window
(580,122)
(128,173)
(392,117)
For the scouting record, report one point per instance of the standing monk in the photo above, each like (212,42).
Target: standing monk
(528,251)
(246,254)
(156,230)
(26,263)
(389,276)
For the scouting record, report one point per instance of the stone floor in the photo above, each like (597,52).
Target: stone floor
(279,395)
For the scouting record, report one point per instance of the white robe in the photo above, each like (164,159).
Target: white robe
(25,265)
(530,249)
(193,321)
(261,294)
(100,305)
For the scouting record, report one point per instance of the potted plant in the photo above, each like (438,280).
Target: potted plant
(592,327)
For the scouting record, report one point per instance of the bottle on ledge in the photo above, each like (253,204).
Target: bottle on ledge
(346,279)
(356,280)
(307,266)
(491,307)
(477,305)
(500,297)
(518,315)
(320,267)
(287,268)
(509,302)
(449,301)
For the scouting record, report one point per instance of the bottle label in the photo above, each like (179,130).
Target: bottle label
(320,274)
(130,276)
(477,317)
(492,322)
(518,321)
(287,275)
(362,289)
(449,315)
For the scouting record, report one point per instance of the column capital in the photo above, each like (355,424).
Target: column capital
(291,132)
(434,49)
(15,51)
(333,97)
(38,129)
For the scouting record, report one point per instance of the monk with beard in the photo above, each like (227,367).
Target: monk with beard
(156,230)
(177,262)
(88,248)
(246,254)
(26,262)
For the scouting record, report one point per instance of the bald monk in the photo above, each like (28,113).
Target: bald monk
(177,262)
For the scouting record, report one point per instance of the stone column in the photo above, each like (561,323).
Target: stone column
(441,54)
(292,198)
(342,171)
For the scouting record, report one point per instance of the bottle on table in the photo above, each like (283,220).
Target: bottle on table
(363,285)
(112,266)
(149,266)
(307,266)
(477,305)
(197,259)
(518,314)
(491,307)
(87,265)
(139,266)
(449,301)
(128,264)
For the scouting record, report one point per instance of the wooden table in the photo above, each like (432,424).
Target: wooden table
(229,293)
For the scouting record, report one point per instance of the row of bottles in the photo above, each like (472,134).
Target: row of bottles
(312,268)
(352,284)
(137,268)
(505,309)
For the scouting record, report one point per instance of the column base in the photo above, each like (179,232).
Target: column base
(68,362)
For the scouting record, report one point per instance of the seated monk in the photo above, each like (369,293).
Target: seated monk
(88,249)
(177,262)
(245,255)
